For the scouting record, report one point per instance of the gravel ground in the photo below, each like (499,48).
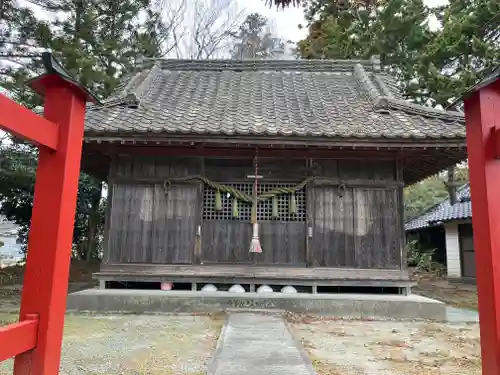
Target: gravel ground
(389,347)
(131,344)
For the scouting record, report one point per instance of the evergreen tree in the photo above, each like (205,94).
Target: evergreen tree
(255,40)
(97,42)
(252,41)
(425,194)
(396,30)
(433,66)
(461,53)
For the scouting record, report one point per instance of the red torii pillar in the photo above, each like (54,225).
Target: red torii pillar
(36,339)
(482,117)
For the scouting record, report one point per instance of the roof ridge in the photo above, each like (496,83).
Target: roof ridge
(130,96)
(383,101)
(260,64)
(145,86)
(364,80)
(383,87)
(128,99)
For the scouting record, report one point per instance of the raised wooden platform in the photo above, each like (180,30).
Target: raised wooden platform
(255,275)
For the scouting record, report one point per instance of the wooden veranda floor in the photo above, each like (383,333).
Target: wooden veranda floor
(251,274)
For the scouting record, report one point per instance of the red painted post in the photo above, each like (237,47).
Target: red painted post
(50,238)
(482,114)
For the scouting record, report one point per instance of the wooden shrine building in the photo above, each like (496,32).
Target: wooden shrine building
(334,143)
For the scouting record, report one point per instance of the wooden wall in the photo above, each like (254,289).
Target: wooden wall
(357,226)
(148,226)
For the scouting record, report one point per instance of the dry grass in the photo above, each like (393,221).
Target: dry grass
(324,367)
(7,318)
(454,294)
(135,344)
(11,275)
(339,347)
(80,271)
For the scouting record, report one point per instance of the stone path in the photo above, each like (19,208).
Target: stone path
(257,344)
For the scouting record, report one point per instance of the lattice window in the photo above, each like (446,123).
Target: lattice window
(264,209)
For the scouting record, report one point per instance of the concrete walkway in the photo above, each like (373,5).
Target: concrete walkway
(257,344)
(456,315)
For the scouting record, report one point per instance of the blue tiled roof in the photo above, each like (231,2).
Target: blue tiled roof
(444,211)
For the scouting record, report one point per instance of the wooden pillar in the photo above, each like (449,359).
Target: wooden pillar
(482,114)
(50,238)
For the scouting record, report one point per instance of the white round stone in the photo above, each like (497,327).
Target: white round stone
(288,290)
(209,288)
(264,289)
(237,289)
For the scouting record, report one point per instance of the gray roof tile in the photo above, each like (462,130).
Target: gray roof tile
(326,98)
(444,211)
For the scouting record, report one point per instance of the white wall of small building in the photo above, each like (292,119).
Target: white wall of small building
(11,251)
(453,265)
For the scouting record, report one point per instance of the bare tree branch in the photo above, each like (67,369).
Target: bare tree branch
(199,29)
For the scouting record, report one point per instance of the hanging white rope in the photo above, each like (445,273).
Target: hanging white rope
(255,243)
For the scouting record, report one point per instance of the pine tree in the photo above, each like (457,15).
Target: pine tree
(433,66)
(252,41)
(462,52)
(256,40)
(97,42)
(396,30)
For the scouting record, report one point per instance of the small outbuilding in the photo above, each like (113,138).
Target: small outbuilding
(447,227)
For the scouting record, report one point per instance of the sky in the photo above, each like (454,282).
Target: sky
(287,20)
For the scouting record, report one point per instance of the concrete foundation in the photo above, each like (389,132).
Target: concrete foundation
(341,305)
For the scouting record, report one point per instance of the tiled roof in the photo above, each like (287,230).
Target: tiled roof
(444,211)
(327,98)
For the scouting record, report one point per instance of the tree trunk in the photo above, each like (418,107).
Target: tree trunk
(93,224)
(451,185)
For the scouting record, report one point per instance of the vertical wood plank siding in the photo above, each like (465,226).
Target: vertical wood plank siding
(332,239)
(359,228)
(377,236)
(148,226)
(225,241)
(228,242)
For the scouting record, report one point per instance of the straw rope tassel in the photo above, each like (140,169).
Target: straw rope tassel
(255,243)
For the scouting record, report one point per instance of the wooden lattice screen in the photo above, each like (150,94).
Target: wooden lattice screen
(264,209)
